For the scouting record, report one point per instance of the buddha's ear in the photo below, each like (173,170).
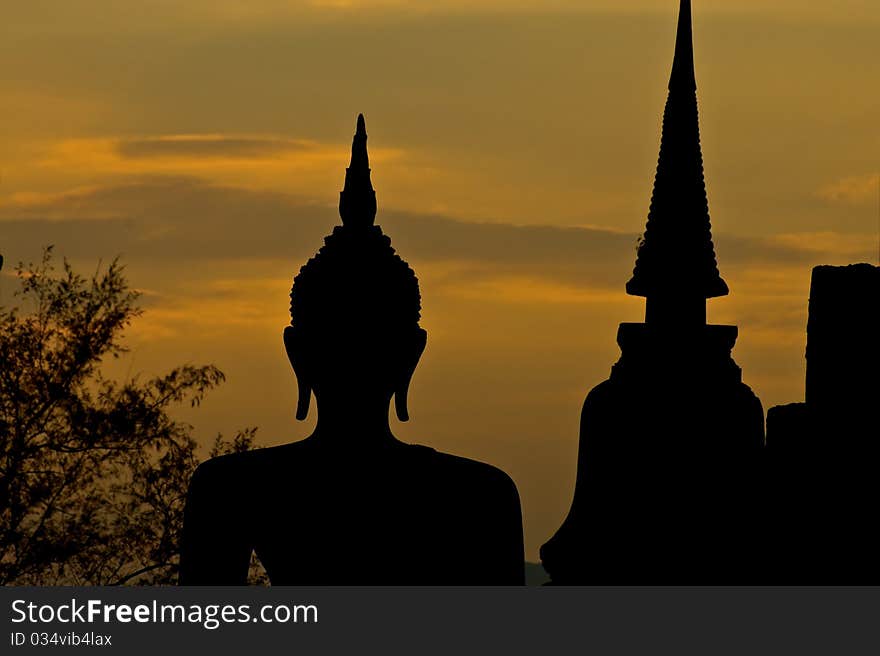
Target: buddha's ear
(413,351)
(296,355)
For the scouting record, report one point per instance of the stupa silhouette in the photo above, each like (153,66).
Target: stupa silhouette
(670,444)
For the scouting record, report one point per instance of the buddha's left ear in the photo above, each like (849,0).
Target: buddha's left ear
(414,349)
(304,393)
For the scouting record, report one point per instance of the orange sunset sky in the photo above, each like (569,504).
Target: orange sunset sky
(513,147)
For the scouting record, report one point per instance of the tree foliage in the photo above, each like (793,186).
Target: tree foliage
(93,472)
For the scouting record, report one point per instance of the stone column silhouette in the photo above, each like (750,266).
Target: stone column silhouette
(823,454)
(670,444)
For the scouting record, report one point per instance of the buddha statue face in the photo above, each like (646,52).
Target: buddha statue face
(354,338)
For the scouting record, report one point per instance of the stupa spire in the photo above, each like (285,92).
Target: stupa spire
(676,268)
(357,200)
(683,61)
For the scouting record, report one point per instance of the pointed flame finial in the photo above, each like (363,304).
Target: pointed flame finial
(357,201)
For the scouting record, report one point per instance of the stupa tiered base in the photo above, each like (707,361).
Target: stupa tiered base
(668,466)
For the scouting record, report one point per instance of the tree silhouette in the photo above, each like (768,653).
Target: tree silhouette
(93,472)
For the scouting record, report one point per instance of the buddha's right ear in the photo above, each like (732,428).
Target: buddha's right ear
(300,369)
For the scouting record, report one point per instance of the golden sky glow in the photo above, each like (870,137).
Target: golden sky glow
(513,147)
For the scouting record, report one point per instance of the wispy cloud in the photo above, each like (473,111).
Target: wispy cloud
(830,244)
(855,190)
(211,146)
(248,156)
(185,219)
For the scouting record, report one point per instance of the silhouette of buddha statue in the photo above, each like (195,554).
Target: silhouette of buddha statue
(351,504)
(670,444)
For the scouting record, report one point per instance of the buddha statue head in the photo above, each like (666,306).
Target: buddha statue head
(354,336)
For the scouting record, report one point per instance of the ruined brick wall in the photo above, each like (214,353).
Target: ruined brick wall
(843,339)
